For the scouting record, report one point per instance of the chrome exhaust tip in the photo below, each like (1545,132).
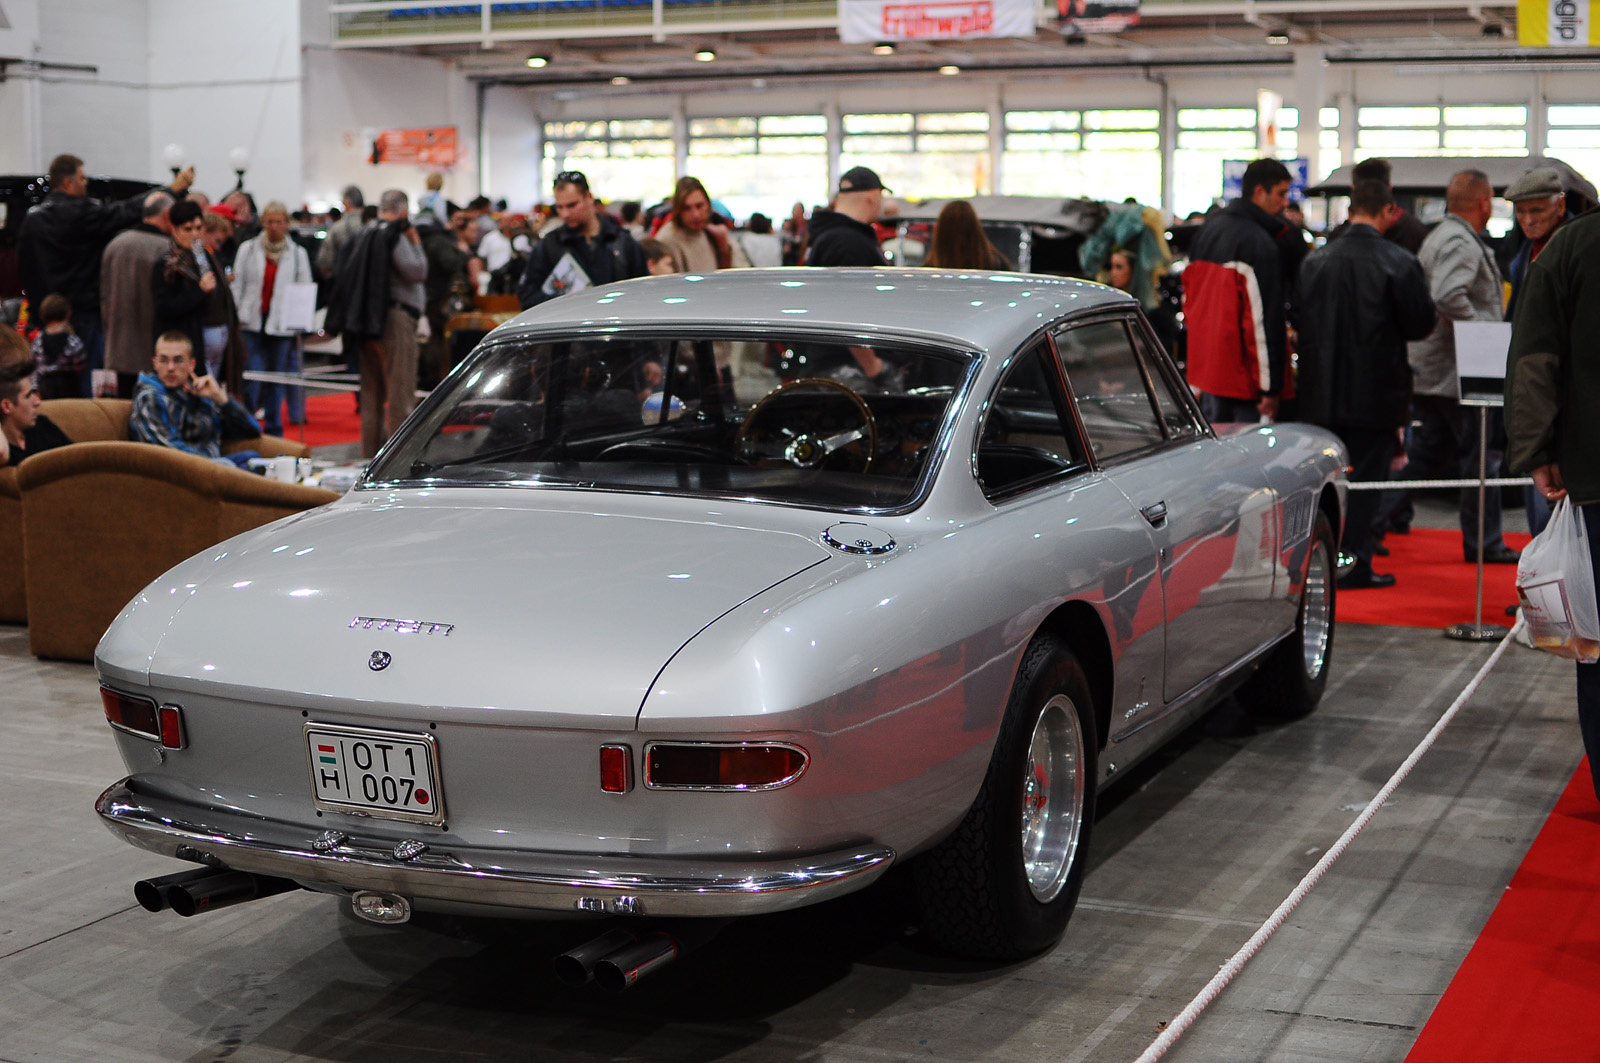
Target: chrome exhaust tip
(576,966)
(155,894)
(223,889)
(623,968)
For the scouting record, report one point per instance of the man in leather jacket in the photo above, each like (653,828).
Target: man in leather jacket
(61,242)
(598,245)
(1361,300)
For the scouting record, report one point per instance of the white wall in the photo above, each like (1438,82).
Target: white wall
(351,94)
(513,147)
(154,81)
(242,92)
(19,92)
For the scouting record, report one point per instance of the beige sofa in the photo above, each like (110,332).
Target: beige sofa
(102,518)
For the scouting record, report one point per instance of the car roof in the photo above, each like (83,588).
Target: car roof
(1079,215)
(981,310)
(1432,174)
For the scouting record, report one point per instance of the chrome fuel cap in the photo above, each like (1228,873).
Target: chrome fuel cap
(854,537)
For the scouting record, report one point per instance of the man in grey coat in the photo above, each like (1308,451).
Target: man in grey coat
(1466,286)
(389,361)
(127,302)
(346,229)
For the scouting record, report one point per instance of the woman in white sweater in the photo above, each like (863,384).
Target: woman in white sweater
(263,272)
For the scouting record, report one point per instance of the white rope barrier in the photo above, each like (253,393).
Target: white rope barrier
(1407,485)
(1236,962)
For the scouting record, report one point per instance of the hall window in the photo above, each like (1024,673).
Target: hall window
(1097,154)
(1428,131)
(623,158)
(765,163)
(1326,157)
(1573,136)
(1208,137)
(921,156)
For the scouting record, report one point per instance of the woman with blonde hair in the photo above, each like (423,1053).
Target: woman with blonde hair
(959,241)
(263,271)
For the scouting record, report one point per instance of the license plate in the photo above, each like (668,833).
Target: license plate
(390,774)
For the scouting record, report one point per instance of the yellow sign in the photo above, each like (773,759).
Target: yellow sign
(1556,24)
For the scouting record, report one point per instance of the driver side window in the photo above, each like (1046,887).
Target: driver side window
(1028,438)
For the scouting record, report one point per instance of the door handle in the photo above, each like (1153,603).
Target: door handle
(1155,513)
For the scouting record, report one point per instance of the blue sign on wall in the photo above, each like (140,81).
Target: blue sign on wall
(1233,178)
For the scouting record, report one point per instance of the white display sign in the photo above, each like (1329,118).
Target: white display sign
(1481,348)
(299,307)
(870,21)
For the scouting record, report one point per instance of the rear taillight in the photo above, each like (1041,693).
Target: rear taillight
(142,717)
(616,769)
(722,766)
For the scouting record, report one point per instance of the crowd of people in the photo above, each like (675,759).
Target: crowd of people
(1359,335)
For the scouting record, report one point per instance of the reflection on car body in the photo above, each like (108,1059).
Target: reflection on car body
(723,645)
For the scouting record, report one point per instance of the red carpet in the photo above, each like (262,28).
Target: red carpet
(1434,587)
(330,418)
(1525,990)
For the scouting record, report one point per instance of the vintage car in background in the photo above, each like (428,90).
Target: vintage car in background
(1037,234)
(620,625)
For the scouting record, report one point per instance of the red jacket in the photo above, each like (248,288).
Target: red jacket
(1233,304)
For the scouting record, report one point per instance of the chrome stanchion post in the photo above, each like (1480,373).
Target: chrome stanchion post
(305,412)
(1478,631)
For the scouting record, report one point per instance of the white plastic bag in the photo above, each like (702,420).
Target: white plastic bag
(1555,580)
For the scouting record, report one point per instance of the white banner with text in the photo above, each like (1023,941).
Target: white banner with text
(870,21)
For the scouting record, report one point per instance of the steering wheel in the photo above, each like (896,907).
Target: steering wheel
(810,433)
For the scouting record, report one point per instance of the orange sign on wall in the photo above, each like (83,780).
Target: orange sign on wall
(425,147)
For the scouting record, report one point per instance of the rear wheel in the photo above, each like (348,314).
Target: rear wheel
(1004,884)
(1291,680)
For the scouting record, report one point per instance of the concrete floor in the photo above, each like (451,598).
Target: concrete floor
(1191,852)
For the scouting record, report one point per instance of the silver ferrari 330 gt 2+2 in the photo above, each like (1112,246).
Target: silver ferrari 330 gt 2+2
(698,596)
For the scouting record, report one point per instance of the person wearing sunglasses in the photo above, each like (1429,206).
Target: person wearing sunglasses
(589,248)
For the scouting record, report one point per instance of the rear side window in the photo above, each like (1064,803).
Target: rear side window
(1111,388)
(1028,436)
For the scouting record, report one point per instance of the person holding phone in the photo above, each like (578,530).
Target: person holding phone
(191,294)
(174,407)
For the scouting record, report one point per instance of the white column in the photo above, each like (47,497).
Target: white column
(1168,136)
(680,138)
(1310,90)
(1538,116)
(830,110)
(997,140)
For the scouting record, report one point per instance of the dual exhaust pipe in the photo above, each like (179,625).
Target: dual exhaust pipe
(618,959)
(615,961)
(206,889)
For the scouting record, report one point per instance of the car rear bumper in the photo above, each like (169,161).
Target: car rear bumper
(552,882)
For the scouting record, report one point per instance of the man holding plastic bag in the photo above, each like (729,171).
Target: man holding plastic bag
(1553,432)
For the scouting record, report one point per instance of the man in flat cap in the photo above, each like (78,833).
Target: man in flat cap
(1553,401)
(844,235)
(1540,202)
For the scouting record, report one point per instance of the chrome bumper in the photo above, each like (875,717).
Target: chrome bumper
(554,882)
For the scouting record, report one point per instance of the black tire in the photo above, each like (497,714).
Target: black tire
(974,890)
(1290,682)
